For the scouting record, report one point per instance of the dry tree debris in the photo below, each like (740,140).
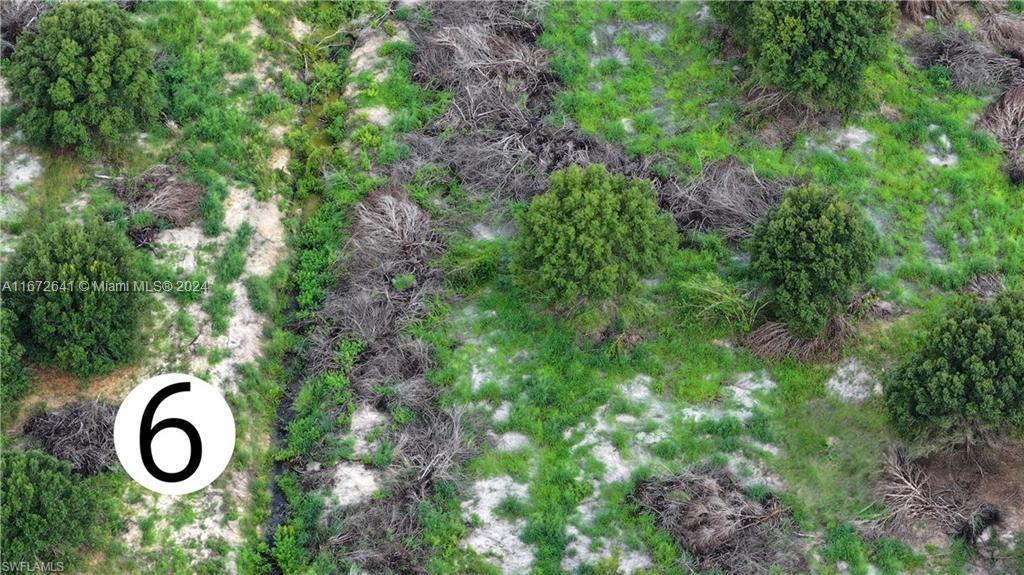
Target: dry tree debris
(374,534)
(773,341)
(392,238)
(494,137)
(159,191)
(16,18)
(973,65)
(985,286)
(908,493)
(1005,33)
(727,198)
(81,433)
(709,515)
(1004,119)
(920,11)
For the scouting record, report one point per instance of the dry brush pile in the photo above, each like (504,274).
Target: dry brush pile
(162,192)
(711,516)
(774,341)
(726,197)
(485,55)
(1004,119)
(387,281)
(16,18)
(910,496)
(921,11)
(973,65)
(81,433)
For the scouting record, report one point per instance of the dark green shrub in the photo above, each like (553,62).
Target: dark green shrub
(77,326)
(591,236)
(968,374)
(812,250)
(47,512)
(12,373)
(815,48)
(84,77)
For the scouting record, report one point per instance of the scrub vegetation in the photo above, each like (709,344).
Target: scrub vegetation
(521,287)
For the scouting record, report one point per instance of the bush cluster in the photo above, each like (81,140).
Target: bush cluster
(47,512)
(815,48)
(84,77)
(81,331)
(591,236)
(968,374)
(13,382)
(812,250)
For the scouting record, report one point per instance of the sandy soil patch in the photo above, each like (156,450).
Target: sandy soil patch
(19,168)
(267,246)
(180,247)
(299,28)
(353,483)
(497,538)
(853,382)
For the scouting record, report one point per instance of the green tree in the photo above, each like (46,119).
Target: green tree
(818,49)
(84,77)
(78,328)
(812,250)
(48,513)
(967,375)
(13,382)
(591,236)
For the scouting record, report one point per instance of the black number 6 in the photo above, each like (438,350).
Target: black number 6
(147,431)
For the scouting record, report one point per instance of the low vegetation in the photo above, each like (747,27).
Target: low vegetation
(572,287)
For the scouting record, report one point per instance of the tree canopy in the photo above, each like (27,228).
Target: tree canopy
(84,77)
(812,250)
(967,375)
(77,326)
(591,236)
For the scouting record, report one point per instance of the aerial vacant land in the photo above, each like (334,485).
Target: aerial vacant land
(519,286)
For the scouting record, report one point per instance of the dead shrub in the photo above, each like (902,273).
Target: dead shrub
(438,443)
(920,11)
(909,494)
(985,286)
(391,237)
(774,341)
(870,306)
(726,198)
(973,66)
(1005,33)
(375,534)
(81,433)
(483,53)
(393,243)
(512,165)
(390,372)
(160,191)
(1004,119)
(16,18)
(777,116)
(710,516)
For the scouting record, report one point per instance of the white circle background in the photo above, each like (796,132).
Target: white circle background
(203,406)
